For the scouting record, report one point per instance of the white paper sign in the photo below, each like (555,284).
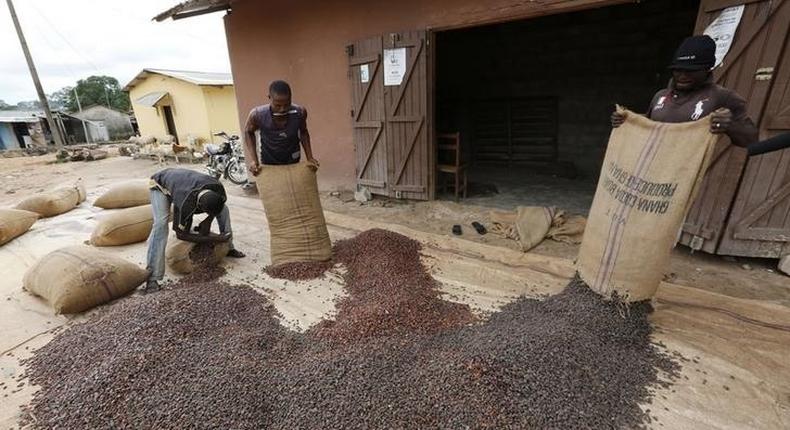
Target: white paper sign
(722,30)
(394,66)
(364,73)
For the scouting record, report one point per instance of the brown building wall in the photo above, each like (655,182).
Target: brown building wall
(304,43)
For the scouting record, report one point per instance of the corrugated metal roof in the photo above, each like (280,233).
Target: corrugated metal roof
(193,8)
(20,115)
(151,99)
(197,78)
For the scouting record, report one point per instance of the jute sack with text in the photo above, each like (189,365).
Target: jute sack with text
(178,258)
(125,195)
(15,222)
(297,228)
(77,278)
(648,181)
(125,226)
(55,202)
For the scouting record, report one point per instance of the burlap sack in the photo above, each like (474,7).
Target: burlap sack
(125,195)
(530,225)
(297,227)
(179,261)
(649,177)
(123,227)
(77,278)
(55,202)
(15,222)
(527,224)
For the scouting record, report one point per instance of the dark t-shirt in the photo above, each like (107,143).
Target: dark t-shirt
(183,187)
(671,106)
(280,145)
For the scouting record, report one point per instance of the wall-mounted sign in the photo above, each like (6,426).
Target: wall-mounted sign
(394,66)
(722,30)
(364,73)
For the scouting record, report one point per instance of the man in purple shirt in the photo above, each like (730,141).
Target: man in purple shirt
(282,126)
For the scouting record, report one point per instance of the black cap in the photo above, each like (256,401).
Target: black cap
(695,53)
(211,202)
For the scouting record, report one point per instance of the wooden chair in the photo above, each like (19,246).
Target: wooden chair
(450,143)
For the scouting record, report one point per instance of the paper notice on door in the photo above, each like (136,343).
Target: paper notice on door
(394,66)
(722,30)
(364,73)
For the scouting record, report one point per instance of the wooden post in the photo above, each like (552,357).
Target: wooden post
(42,98)
(79,106)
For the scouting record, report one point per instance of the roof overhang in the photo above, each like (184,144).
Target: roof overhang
(192,8)
(196,78)
(152,99)
(7,119)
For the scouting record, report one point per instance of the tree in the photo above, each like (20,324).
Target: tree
(28,105)
(61,98)
(4,105)
(95,90)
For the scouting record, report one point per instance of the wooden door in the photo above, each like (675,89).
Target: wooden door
(409,132)
(391,117)
(758,44)
(367,114)
(759,224)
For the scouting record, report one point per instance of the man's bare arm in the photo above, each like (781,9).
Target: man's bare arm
(250,152)
(304,136)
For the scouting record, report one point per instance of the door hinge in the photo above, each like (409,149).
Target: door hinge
(352,113)
(696,243)
(350,50)
(394,38)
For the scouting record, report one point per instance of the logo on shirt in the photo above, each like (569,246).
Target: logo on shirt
(283,134)
(660,104)
(698,110)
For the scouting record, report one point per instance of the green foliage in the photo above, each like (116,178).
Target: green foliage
(95,90)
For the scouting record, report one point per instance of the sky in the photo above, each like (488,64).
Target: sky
(73,39)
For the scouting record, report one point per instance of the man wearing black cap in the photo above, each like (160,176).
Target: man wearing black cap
(190,193)
(692,95)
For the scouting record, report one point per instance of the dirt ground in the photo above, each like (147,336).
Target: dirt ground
(737,320)
(738,277)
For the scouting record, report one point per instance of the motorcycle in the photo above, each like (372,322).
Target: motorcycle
(226,159)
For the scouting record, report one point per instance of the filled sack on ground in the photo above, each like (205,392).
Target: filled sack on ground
(529,225)
(125,195)
(182,260)
(78,278)
(647,184)
(15,222)
(123,227)
(55,202)
(297,227)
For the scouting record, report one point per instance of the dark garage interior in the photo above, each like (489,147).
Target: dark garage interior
(531,99)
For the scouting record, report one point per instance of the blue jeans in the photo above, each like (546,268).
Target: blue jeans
(157,240)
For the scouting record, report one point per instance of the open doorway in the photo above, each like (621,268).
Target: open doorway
(21,130)
(531,99)
(170,122)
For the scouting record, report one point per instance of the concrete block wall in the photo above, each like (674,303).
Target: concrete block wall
(590,60)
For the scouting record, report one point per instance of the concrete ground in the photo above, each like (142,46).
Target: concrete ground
(740,277)
(506,188)
(736,320)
